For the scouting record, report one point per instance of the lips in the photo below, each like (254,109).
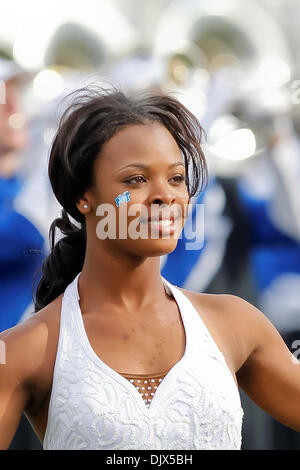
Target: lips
(161,224)
(160,218)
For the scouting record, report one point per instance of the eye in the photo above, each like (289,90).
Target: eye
(139,177)
(178,178)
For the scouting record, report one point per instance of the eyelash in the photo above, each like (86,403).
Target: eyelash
(181,178)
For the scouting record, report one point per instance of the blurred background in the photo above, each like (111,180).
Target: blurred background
(235,65)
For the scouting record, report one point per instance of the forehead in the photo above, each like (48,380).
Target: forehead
(148,143)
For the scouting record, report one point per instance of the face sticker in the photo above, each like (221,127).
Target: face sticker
(123,197)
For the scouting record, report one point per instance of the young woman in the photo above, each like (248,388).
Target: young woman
(115,356)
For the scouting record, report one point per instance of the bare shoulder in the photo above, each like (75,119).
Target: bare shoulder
(29,345)
(240,322)
(220,306)
(233,309)
(34,328)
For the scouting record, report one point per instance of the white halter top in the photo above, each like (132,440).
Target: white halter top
(196,405)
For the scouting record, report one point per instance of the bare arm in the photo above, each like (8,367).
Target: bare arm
(14,394)
(27,360)
(271,374)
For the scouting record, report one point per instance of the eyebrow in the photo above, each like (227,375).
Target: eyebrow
(146,167)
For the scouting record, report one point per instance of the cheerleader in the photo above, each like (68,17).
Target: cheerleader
(116,356)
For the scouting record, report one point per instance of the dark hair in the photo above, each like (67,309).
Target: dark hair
(93,117)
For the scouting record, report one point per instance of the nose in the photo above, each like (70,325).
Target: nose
(164,200)
(161,194)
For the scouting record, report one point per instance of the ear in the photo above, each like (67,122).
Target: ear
(83,204)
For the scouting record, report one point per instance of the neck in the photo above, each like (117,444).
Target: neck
(125,280)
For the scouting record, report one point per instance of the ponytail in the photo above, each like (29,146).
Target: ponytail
(63,263)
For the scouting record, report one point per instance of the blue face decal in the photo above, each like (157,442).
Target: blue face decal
(123,197)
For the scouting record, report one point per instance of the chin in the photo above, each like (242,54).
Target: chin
(151,248)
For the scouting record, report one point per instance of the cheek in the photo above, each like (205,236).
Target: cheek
(130,211)
(102,192)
